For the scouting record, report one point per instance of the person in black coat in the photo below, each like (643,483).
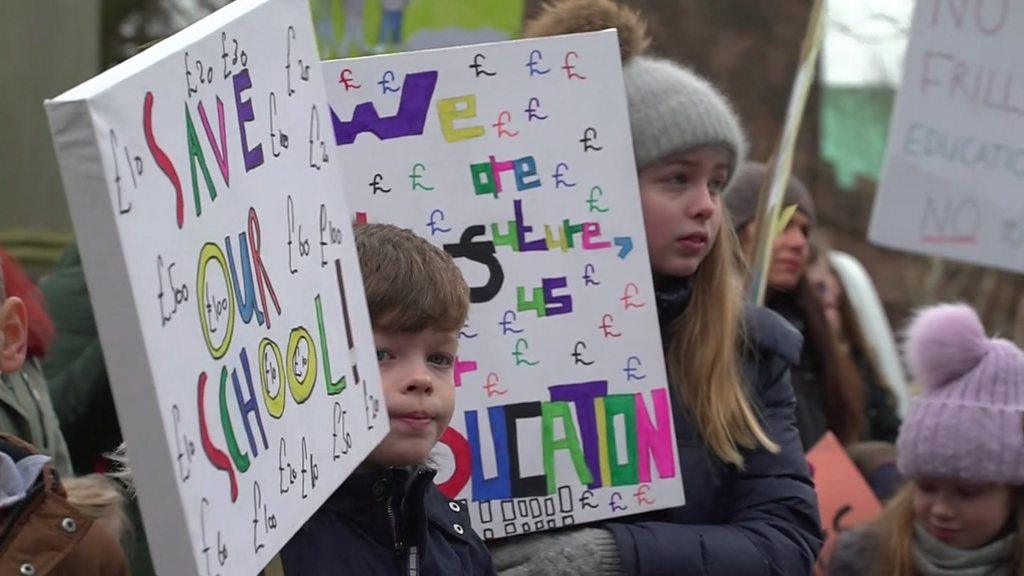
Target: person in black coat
(832,394)
(388,517)
(750,505)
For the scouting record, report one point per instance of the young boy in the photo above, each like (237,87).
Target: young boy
(389,517)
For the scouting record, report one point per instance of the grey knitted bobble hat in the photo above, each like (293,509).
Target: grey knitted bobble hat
(671,108)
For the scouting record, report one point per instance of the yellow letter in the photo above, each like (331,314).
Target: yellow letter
(458,108)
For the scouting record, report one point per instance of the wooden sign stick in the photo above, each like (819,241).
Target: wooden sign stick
(773,188)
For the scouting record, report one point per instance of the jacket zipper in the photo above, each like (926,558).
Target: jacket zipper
(411,557)
(399,547)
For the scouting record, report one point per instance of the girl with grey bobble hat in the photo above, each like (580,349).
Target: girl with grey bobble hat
(750,505)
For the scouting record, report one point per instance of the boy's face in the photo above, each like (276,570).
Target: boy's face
(417,374)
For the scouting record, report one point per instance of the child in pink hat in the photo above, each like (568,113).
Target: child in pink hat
(962,447)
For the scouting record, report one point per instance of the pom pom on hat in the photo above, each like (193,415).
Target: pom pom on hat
(944,343)
(967,421)
(576,16)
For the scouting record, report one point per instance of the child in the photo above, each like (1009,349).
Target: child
(41,529)
(389,517)
(26,406)
(750,506)
(962,447)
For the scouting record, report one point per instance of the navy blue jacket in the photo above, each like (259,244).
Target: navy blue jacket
(387,521)
(762,520)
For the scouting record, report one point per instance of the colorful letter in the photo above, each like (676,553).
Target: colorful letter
(333,387)
(500,486)
(655,440)
(255,240)
(301,389)
(533,485)
(624,404)
(549,412)
(458,108)
(272,374)
(211,251)
(246,302)
(463,463)
(241,460)
(216,456)
(253,157)
(417,90)
(162,160)
(221,152)
(247,407)
(583,395)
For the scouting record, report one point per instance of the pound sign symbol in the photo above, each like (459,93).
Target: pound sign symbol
(641,495)
(509,325)
(559,181)
(627,297)
(535,57)
(594,204)
(632,369)
(491,387)
(375,184)
(504,118)
(415,176)
(532,107)
(520,351)
(570,70)
(346,80)
(478,68)
(589,135)
(385,82)
(436,217)
(577,356)
(606,327)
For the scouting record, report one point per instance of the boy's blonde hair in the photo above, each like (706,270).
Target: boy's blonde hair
(411,285)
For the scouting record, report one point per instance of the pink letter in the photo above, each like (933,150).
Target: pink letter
(656,441)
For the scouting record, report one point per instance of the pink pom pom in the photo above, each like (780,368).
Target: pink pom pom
(944,342)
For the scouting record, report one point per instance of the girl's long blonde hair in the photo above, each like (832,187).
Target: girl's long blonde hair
(704,351)
(894,531)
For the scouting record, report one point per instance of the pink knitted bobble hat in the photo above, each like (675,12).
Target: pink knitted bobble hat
(968,423)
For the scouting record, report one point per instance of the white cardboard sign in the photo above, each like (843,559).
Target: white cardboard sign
(954,168)
(206,200)
(516,157)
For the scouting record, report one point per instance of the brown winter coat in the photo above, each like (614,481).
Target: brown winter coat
(45,535)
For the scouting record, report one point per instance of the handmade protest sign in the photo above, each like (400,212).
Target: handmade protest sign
(954,164)
(516,158)
(844,497)
(205,193)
